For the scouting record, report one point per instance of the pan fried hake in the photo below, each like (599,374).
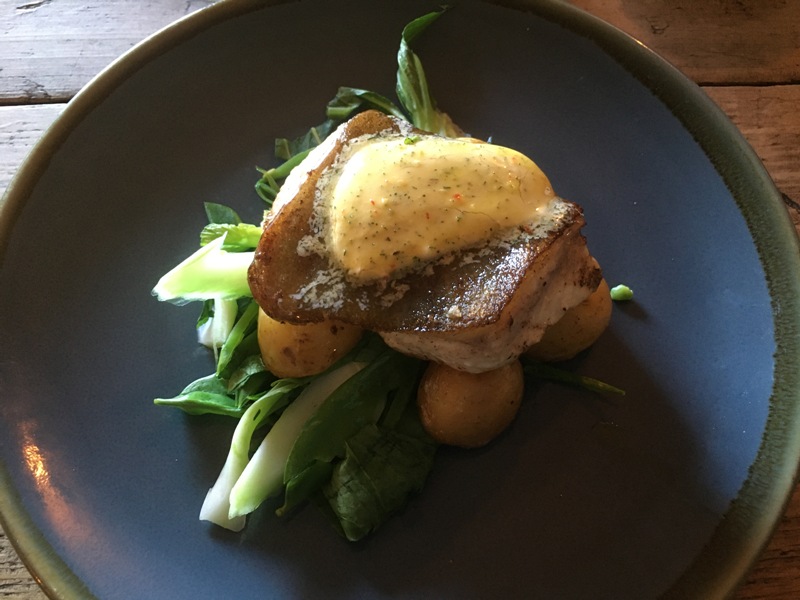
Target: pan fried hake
(452,250)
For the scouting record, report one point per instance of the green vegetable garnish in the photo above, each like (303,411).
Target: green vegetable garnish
(240,237)
(547,372)
(242,341)
(621,292)
(217,506)
(379,470)
(356,404)
(209,273)
(263,476)
(207,395)
(412,84)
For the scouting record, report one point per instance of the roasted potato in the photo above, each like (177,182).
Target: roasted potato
(290,350)
(469,409)
(578,329)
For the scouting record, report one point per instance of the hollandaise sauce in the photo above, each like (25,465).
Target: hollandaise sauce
(395,201)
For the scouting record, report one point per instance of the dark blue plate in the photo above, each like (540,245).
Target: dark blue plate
(671,490)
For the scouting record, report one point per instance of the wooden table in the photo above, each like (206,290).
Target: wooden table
(745,54)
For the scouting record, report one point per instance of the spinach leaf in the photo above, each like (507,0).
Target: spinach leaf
(207,395)
(381,469)
(355,404)
(249,380)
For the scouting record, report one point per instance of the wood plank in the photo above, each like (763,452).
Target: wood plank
(15,581)
(20,128)
(52,48)
(767,116)
(714,41)
(777,573)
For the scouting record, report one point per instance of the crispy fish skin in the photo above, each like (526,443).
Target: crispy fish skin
(535,289)
(279,274)
(475,310)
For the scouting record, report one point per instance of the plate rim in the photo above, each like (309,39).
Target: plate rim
(749,523)
(754,514)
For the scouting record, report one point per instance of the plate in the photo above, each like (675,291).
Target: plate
(670,491)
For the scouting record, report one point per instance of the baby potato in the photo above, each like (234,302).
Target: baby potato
(291,350)
(469,409)
(578,329)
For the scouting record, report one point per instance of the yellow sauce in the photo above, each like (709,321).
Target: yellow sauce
(399,200)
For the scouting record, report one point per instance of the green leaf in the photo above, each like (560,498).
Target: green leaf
(264,474)
(249,380)
(412,84)
(221,214)
(241,343)
(250,367)
(268,187)
(381,469)
(239,237)
(206,313)
(403,397)
(207,395)
(349,101)
(355,404)
(287,149)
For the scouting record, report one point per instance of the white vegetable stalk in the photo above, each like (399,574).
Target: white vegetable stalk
(263,475)
(216,330)
(216,504)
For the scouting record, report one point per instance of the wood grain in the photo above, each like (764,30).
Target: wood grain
(745,52)
(52,48)
(767,116)
(15,581)
(20,128)
(777,574)
(714,41)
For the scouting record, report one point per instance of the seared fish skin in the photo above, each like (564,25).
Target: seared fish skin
(474,310)
(531,287)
